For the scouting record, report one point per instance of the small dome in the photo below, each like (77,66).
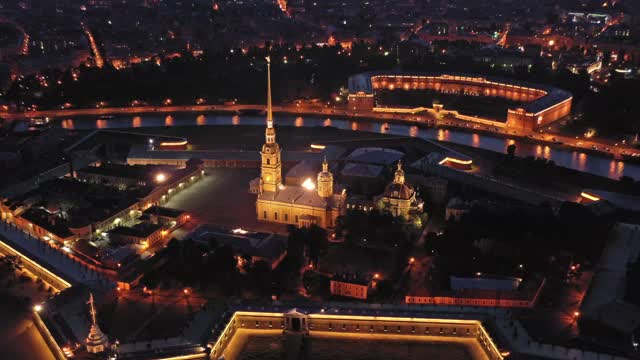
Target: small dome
(399,191)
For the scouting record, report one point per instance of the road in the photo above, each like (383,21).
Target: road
(591,144)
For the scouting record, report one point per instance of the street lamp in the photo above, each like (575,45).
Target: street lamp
(576,315)
(37,308)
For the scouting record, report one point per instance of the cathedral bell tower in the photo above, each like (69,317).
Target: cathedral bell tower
(271,166)
(325,181)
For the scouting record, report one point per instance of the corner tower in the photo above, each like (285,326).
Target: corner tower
(325,181)
(271,165)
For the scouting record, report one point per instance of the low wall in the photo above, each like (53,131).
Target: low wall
(48,338)
(518,337)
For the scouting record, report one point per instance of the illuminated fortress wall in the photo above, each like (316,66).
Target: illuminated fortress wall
(541,104)
(266,323)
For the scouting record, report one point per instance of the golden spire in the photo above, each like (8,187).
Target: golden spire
(92,309)
(96,341)
(325,165)
(399,176)
(269,106)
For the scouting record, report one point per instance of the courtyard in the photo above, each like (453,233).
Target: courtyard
(222,198)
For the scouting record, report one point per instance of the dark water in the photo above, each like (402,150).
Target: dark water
(272,348)
(594,164)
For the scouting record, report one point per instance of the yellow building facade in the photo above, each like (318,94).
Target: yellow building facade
(310,203)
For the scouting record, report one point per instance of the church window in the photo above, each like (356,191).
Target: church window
(275,215)
(296,219)
(286,217)
(268,161)
(264,214)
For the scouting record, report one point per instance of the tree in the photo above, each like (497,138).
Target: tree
(317,243)
(262,276)
(511,150)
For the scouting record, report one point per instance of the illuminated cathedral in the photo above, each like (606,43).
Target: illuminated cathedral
(300,205)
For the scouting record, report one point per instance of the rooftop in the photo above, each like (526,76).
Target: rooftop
(249,243)
(350,278)
(49,222)
(375,155)
(141,230)
(362,170)
(163,211)
(136,172)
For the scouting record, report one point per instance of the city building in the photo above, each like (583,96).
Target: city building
(255,246)
(300,205)
(123,176)
(399,197)
(146,234)
(349,285)
(527,106)
(165,216)
(378,324)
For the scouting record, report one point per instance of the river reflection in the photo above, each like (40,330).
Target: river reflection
(67,124)
(599,165)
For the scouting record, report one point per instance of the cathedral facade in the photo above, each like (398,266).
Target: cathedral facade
(300,205)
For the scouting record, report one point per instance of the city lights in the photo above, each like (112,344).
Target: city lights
(145,153)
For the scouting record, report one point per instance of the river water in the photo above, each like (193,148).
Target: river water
(591,163)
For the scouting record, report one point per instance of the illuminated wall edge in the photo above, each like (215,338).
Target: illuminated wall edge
(225,337)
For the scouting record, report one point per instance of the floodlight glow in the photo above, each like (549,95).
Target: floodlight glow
(308,184)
